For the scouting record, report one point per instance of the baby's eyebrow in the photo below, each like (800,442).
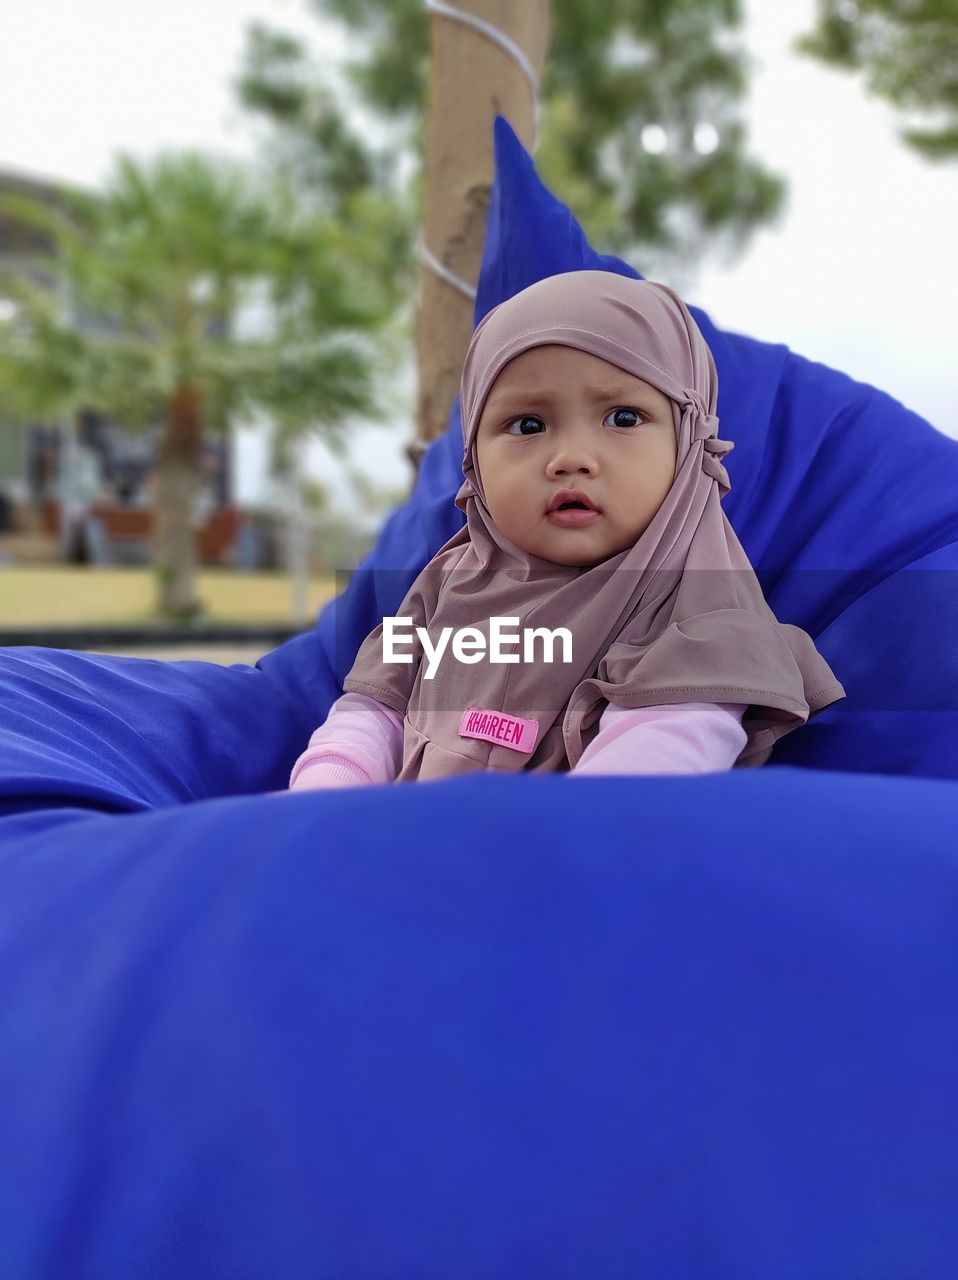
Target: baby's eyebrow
(547,397)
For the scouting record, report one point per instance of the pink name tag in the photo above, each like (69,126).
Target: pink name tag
(514,732)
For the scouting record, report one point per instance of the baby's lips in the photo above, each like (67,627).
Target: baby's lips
(571,496)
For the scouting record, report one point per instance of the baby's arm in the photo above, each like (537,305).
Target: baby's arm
(358,744)
(672,738)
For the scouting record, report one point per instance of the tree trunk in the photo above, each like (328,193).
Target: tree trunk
(297,532)
(177,483)
(472,80)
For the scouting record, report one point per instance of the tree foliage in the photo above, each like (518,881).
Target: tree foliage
(907,51)
(611,70)
(154,271)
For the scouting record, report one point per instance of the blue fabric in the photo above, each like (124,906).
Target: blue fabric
(379,1034)
(127,734)
(686,1026)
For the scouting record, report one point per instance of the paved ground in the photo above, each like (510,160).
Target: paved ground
(226,655)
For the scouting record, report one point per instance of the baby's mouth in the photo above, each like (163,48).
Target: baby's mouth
(571,500)
(572,512)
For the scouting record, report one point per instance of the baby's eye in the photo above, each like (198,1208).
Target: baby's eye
(526,417)
(636,413)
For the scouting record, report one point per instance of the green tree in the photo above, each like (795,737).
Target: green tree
(613,68)
(161,271)
(908,53)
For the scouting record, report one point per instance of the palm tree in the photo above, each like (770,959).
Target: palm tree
(159,272)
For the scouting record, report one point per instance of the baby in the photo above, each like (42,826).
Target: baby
(592,494)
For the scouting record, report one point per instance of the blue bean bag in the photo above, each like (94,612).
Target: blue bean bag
(685,1027)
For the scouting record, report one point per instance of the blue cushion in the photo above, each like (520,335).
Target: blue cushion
(694,1026)
(127,734)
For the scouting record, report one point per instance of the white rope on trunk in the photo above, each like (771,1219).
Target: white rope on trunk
(426,255)
(498,36)
(513,50)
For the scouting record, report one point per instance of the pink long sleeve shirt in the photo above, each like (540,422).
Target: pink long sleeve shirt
(360,742)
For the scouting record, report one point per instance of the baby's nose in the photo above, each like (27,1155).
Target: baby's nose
(583,468)
(573,458)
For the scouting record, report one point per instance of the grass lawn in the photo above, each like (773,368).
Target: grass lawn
(84,596)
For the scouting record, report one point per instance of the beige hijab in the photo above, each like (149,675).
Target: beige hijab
(679,616)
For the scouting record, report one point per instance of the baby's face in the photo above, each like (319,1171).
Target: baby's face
(559,418)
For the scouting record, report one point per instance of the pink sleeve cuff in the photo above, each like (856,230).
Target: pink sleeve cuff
(328,771)
(669,738)
(360,741)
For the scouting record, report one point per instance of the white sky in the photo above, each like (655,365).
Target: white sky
(861,274)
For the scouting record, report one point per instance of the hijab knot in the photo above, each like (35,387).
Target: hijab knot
(704,428)
(466,490)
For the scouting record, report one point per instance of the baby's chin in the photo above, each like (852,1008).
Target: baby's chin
(582,557)
(569,548)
